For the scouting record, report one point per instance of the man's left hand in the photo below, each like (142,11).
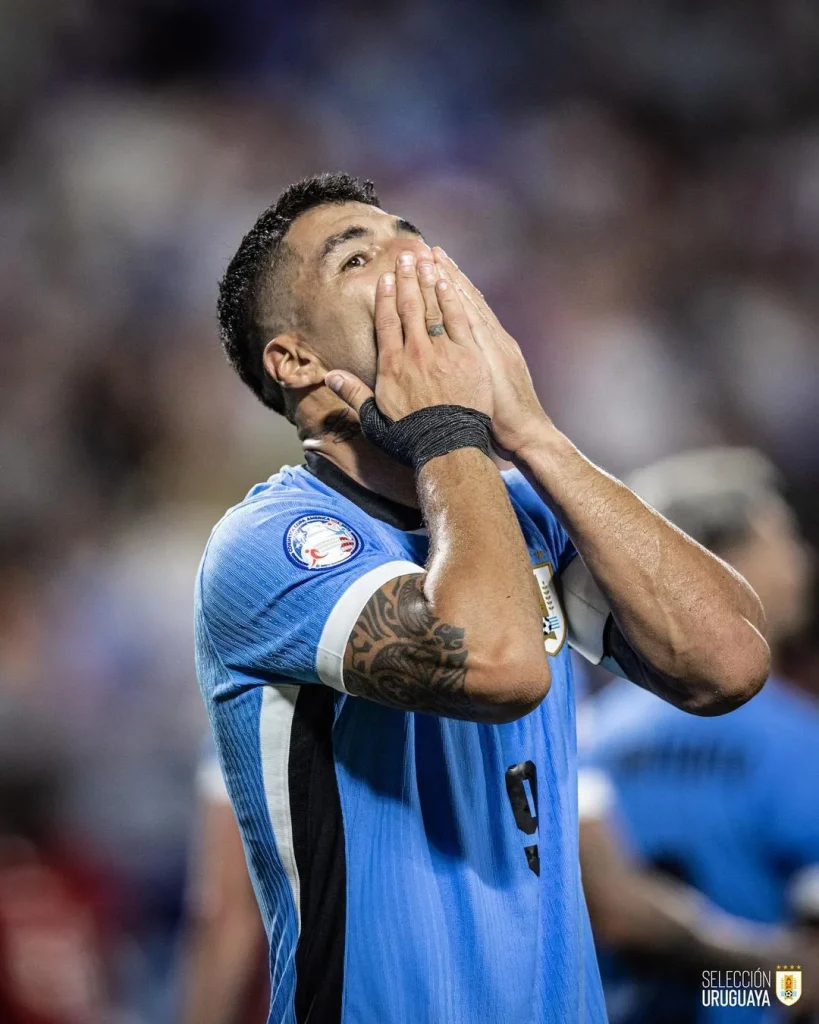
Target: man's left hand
(518,415)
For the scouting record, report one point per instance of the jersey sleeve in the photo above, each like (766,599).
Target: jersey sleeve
(282,585)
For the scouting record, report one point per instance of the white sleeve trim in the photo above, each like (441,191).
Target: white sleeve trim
(586,611)
(343,617)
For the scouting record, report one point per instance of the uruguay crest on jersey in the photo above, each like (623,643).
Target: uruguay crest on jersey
(554,619)
(320,541)
(789,985)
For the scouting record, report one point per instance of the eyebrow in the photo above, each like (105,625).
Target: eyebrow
(359,231)
(334,241)
(407,226)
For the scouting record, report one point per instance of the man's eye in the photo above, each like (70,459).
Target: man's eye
(354,262)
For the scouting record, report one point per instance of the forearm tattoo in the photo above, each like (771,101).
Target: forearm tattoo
(401,654)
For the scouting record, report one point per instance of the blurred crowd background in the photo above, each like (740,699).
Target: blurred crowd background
(634,186)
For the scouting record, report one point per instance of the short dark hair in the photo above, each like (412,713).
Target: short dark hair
(258,262)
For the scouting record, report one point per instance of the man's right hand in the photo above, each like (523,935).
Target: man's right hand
(426,352)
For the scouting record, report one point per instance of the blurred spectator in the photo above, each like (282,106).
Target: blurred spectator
(54,908)
(727,805)
(224,972)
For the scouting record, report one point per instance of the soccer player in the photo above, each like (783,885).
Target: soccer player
(378,632)
(729,806)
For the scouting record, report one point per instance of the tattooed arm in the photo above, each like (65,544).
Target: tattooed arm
(464,639)
(400,653)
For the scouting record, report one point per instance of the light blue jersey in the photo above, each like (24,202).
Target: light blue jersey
(729,805)
(409,868)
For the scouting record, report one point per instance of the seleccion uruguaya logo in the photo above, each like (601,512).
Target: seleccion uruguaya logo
(788,984)
(751,988)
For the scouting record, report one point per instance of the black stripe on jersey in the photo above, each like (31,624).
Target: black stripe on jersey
(318,842)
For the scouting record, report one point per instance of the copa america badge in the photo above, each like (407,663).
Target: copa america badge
(319,542)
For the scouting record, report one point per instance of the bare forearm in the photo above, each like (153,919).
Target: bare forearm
(479,573)
(657,917)
(634,910)
(224,936)
(224,958)
(688,615)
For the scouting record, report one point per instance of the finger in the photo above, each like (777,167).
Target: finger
(462,281)
(410,301)
(433,316)
(474,317)
(455,321)
(447,268)
(389,334)
(348,388)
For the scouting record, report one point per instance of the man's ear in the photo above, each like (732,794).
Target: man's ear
(291,363)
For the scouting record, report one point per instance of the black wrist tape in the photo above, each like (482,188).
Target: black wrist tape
(427,433)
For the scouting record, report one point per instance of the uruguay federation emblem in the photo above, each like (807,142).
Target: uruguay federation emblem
(318,542)
(554,621)
(789,985)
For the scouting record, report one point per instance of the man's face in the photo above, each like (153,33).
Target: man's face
(342,251)
(779,565)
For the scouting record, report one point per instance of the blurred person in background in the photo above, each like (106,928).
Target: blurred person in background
(53,926)
(223,970)
(729,806)
(640,913)
(54,902)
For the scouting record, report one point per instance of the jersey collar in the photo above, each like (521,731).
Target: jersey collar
(402,517)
